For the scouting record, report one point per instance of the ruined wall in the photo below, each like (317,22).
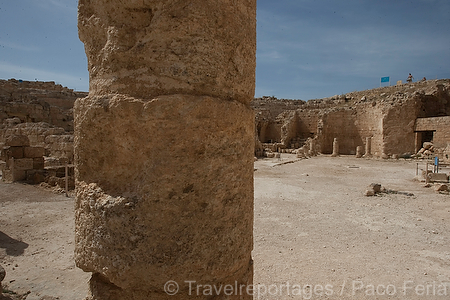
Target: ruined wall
(164,146)
(339,124)
(33,102)
(440,126)
(398,128)
(387,115)
(307,123)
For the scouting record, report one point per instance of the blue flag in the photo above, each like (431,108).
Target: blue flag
(384,79)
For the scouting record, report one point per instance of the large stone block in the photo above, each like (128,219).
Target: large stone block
(17,140)
(13,152)
(438,177)
(164,146)
(38,163)
(23,164)
(148,48)
(34,152)
(164,190)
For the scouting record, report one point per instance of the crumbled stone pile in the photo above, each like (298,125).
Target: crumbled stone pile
(426,151)
(376,189)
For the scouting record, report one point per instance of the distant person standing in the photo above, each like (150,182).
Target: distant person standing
(410,78)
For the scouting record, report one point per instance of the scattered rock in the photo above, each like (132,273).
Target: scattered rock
(441,188)
(369,193)
(376,187)
(427,145)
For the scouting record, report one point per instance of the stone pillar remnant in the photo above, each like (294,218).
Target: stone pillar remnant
(312,147)
(335,148)
(164,147)
(359,152)
(368,147)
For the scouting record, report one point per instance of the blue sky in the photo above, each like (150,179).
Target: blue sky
(306,49)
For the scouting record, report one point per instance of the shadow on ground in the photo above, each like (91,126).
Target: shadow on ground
(12,246)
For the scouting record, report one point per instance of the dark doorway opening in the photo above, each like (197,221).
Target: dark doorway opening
(422,137)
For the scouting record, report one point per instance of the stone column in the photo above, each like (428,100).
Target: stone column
(312,147)
(164,148)
(368,147)
(359,152)
(335,148)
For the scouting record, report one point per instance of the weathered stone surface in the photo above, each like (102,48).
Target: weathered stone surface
(369,193)
(34,101)
(146,215)
(34,152)
(393,122)
(15,152)
(359,152)
(23,164)
(17,141)
(2,276)
(438,177)
(376,187)
(441,188)
(427,145)
(164,146)
(368,147)
(145,49)
(335,147)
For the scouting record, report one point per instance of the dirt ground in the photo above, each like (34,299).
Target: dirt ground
(316,236)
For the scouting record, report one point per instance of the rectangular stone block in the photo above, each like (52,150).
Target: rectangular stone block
(438,177)
(38,163)
(23,164)
(15,152)
(33,152)
(13,175)
(19,175)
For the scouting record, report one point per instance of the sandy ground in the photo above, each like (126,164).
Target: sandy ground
(316,236)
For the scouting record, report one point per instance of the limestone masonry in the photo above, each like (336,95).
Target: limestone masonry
(397,120)
(42,112)
(164,147)
(388,122)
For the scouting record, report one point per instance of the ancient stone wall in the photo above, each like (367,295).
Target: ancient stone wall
(164,146)
(387,115)
(33,102)
(22,162)
(440,126)
(398,128)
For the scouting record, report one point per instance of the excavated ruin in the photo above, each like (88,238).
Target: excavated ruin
(386,122)
(391,121)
